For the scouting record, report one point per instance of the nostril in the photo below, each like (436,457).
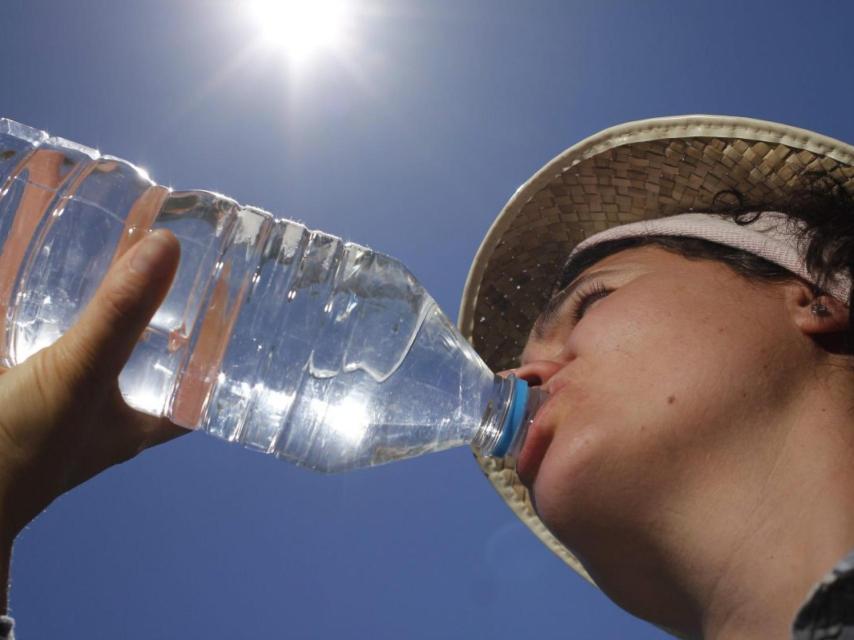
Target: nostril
(538,373)
(533,379)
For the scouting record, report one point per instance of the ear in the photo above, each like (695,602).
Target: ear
(816,314)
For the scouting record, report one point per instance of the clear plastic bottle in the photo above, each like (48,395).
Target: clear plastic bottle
(287,340)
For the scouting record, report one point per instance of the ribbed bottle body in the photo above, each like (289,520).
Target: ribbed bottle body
(357,364)
(285,339)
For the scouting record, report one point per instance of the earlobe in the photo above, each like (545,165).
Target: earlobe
(820,314)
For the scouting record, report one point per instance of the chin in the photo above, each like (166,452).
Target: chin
(567,490)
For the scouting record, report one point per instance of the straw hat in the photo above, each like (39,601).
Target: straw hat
(635,171)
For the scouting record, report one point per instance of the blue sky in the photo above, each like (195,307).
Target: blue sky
(411,144)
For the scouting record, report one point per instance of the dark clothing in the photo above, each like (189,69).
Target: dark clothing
(828,612)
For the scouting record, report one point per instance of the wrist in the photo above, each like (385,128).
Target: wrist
(7,538)
(5,560)
(10,517)
(8,532)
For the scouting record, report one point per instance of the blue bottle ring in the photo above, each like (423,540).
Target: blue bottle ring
(514,419)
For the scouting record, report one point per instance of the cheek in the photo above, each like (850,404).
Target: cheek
(657,341)
(629,428)
(614,328)
(611,465)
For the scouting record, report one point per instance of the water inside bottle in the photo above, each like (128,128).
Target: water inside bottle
(285,339)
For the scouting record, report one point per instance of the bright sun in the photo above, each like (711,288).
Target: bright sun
(301,28)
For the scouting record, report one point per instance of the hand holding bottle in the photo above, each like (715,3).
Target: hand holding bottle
(62,417)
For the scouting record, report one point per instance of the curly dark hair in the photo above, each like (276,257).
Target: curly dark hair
(824,207)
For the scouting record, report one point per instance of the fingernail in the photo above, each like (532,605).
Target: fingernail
(150,257)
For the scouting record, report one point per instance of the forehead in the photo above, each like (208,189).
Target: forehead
(651,254)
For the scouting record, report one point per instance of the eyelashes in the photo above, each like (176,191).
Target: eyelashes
(569,304)
(584,297)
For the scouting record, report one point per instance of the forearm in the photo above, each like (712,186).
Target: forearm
(9,528)
(6,539)
(7,631)
(5,561)
(5,556)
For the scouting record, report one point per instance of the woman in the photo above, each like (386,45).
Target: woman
(694,457)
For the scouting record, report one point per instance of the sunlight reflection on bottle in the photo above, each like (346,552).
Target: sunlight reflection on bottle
(29,339)
(345,421)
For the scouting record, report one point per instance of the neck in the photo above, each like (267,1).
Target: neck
(736,555)
(760,588)
(796,523)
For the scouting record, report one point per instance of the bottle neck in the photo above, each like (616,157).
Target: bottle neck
(506,417)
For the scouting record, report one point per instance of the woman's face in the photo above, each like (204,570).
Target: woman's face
(661,372)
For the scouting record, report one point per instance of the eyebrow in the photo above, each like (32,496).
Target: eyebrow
(557,300)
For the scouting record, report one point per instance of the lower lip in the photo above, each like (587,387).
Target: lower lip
(533,451)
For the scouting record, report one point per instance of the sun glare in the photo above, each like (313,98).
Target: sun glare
(301,28)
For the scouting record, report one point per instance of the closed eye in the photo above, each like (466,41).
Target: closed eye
(575,299)
(585,296)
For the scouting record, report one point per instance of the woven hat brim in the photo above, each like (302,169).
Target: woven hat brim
(635,171)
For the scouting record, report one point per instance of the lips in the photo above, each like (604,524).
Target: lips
(534,448)
(540,433)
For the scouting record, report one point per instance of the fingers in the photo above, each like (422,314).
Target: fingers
(103,338)
(62,417)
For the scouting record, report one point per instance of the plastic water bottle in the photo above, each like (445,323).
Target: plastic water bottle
(287,340)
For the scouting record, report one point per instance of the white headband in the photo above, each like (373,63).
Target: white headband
(773,236)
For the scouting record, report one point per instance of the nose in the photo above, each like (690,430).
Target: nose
(538,372)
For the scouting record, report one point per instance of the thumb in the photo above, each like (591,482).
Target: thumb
(102,339)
